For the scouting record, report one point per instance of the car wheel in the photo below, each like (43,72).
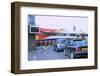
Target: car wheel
(56,49)
(72,55)
(65,52)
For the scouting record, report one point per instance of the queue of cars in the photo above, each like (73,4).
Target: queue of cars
(74,48)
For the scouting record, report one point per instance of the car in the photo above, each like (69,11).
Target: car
(78,48)
(59,45)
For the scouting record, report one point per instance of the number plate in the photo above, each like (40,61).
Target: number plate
(84,49)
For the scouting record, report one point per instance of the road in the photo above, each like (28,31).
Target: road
(45,53)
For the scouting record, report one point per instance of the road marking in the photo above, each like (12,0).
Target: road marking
(45,47)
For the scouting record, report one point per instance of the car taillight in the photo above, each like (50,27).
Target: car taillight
(78,49)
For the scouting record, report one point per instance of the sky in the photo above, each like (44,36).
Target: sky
(63,22)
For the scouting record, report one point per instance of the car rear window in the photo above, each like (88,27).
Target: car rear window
(77,43)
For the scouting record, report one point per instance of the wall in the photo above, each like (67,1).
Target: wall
(5,30)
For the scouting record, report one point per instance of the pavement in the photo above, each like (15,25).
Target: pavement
(45,53)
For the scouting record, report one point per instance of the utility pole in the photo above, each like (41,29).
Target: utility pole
(74,28)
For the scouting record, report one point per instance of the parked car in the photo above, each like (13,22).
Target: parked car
(78,48)
(59,45)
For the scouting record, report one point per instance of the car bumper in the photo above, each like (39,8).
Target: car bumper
(81,55)
(60,49)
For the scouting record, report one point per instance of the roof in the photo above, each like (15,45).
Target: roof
(67,37)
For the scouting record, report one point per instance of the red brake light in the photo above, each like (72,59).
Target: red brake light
(78,49)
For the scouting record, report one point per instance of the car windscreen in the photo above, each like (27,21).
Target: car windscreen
(60,40)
